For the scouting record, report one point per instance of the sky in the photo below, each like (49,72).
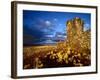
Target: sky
(46,27)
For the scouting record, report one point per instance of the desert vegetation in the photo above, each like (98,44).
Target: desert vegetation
(75,51)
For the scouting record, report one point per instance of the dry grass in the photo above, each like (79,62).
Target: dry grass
(54,56)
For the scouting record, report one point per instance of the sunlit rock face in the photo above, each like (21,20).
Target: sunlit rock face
(77,39)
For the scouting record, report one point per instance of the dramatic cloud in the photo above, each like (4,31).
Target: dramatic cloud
(55,19)
(86,27)
(48,27)
(60,24)
(48,23)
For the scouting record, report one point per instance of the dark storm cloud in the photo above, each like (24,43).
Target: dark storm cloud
(48,27)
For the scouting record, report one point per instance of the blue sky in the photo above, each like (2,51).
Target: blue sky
(42,27)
